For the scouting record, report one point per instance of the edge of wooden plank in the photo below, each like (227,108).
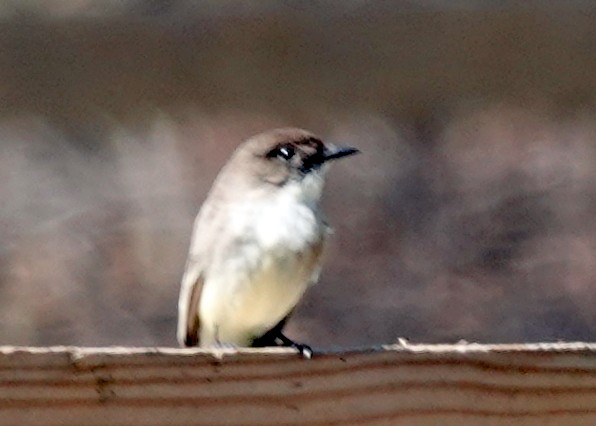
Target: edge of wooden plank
(77,352)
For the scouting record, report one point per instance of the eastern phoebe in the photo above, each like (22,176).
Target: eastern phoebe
(257,242)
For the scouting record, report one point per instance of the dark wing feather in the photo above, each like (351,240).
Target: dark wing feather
(188,306)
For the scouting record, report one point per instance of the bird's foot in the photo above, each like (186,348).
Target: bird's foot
(304,350)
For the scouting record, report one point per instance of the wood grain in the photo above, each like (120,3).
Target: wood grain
(540,384)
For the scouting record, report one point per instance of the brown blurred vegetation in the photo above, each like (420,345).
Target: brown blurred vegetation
(469,215)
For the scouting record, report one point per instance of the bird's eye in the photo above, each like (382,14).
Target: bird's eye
(285,152)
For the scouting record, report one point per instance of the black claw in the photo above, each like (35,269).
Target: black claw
(304,350)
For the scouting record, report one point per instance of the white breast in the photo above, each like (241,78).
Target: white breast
(264,276)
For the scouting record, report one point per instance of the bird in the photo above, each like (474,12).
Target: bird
(257,242)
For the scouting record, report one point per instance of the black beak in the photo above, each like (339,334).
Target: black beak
(335,152)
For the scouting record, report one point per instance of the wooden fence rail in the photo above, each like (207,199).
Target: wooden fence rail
(463,384)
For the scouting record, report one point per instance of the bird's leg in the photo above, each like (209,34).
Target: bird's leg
(275,337)
(305,350)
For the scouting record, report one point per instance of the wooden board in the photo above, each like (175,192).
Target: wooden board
(541,384)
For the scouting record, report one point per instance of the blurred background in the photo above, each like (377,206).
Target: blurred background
(469,214)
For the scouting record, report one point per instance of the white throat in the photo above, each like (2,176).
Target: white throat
(287,217)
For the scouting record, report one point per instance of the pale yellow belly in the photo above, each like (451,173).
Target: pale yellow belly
(248,304)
